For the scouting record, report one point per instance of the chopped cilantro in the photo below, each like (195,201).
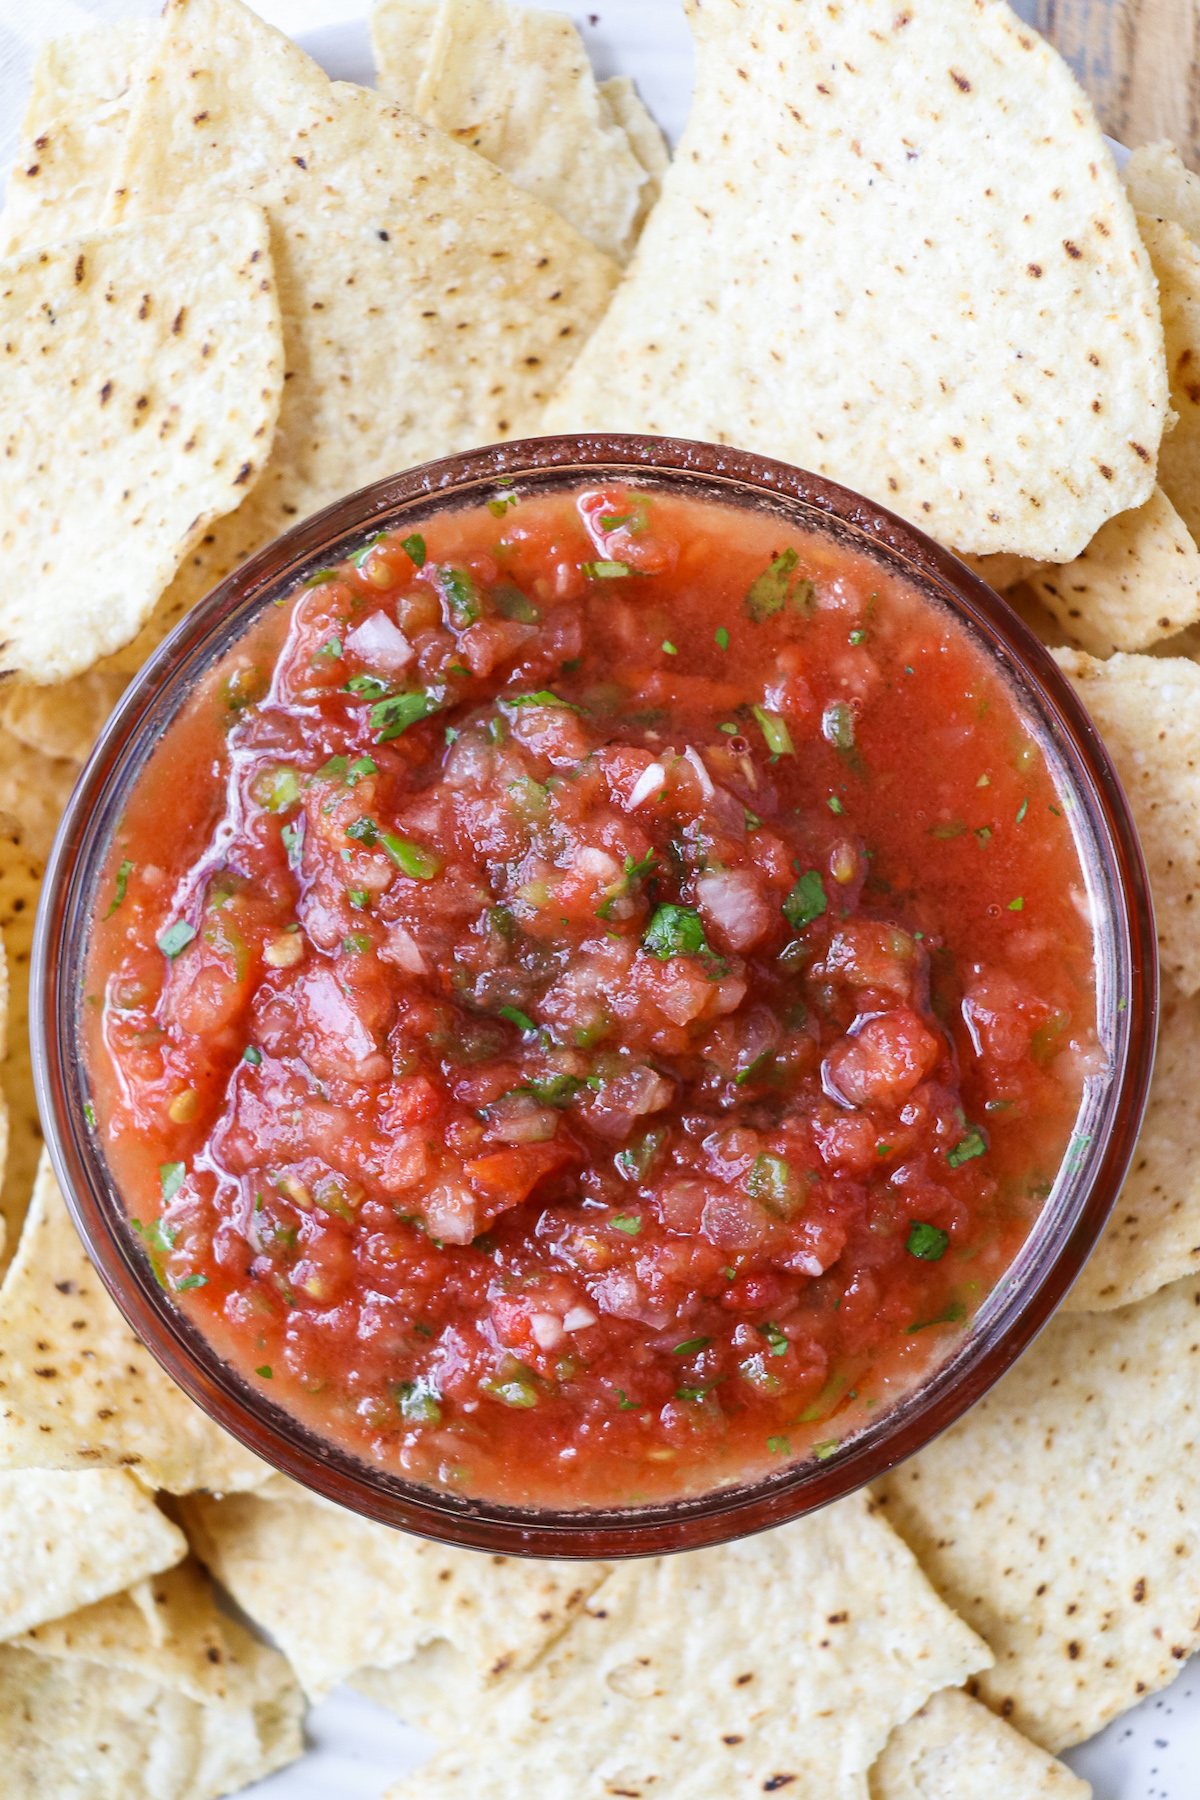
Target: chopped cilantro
(357,944)
(806,901)
(89,1113)
(629,1223)
(974,1144)
(721,638)
(928,1242)
(675,931)
(774,1337)
(360,556)
(413,547)
(552,1090)
(356,771)
(692,1346)
(252,1055)
(364,831)
(461,596)
(123,874)
(857,637)
(516,1017)
(825,1450)
(367,687)
(393,716)
(329,651)
(320,578)
(358,898)
(293,842)
(669,647)
(191,1281)
(951,1315)
(542,697)
(626,1404)
(835,805)
(333,770)
(1017,905)
(264,1371)
(768,591)
(1024,808)
(779,1446)
(511,603)
(983,833)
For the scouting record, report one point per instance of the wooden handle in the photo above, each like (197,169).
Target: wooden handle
(1137,60)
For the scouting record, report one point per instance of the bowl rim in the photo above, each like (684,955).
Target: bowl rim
(262,1425)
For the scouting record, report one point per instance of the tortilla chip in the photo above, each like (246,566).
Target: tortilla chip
(1157,182)
(125,433)
(1137,581)
(781,1661)
(955,1749)
(77,1389)
(62,721)
(1153,1233)
(71,134)
(1176,261)
(33,791)
(151,1693)
(68,1540)
(168,1627)
(1003,570)
(373,1595)
(429,305)
(1061,1517)
(401,34)
(1147,710)
(515,84)
(1044,626)
(920,276)
(437,1690)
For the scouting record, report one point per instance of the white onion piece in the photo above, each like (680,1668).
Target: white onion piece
(380,643)
(401,947)
(578,1319)
(702,774)
(648,782)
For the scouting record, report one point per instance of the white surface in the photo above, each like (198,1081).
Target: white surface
(356,1748)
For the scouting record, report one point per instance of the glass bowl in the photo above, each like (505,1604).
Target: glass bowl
(1072,1216)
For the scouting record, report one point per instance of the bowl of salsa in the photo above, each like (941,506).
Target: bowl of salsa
(594,996)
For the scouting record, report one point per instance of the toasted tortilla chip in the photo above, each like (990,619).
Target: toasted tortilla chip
(373,1595)
(429,305)
(1153,1233)
(955,1749)
(1061,1517)
(71,133)
(1137,581)
(515,84)
(63,721)
(79,1391)
(437,1690)
(781,1661)
(919,275)
(1176,261)
(1158,183)
(143,369)
(1147,710)
(151,1693)
(69,1540)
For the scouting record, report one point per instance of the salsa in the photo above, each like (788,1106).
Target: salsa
(589,997)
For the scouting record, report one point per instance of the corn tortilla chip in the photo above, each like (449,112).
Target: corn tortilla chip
(168,1627)
(401,33)
(1003,570)
(33,792)
(1061,1517)
(112,1703)
(373,1595)
(142,371)
(438,1690)
(62,721)
(1176,261)
(69,1540)
(955,1749)
(515,84)
(780,1661)
(920,276)
(71,133)
(1153,1233)
(1137,581)
(1147,710)
(1157,182)
(428,304)
(77,1389)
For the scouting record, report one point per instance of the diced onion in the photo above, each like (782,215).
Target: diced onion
(702,774)
(578,1319)
(381,644)
(648,782)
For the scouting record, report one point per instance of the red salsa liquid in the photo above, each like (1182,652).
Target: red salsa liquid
(587,1000)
